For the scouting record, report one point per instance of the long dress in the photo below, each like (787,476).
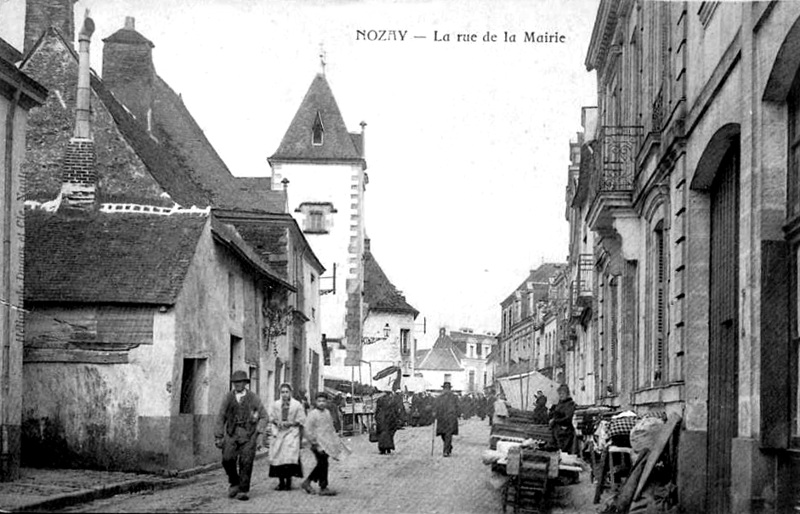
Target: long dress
(284,448)
(386,422)
(563,430)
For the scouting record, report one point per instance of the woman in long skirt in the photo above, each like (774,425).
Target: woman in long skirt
(386,421)
(287,417)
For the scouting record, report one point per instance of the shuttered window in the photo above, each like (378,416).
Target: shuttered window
(660,306)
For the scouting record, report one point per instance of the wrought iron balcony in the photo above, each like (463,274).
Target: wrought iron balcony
(612,183)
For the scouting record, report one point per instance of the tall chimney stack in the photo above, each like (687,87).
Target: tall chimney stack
(40,15)
(79,177)
(84,86)
(128,70)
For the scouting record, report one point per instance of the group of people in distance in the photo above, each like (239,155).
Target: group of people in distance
(242,424)
(445,410)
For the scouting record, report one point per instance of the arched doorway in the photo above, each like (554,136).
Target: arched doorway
(723,327)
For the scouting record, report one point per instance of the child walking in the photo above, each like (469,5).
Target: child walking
(319,431)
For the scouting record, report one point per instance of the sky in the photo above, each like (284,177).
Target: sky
(467,142)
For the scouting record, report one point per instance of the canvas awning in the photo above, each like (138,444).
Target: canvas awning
(385,372)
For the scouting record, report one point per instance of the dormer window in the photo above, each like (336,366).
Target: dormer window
(317,217)
(317,131)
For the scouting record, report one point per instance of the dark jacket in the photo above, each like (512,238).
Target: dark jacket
(447,411)
(563,430)
(249,415)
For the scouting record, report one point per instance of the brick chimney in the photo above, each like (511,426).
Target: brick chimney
(78,173)
(40,15)
(128,70)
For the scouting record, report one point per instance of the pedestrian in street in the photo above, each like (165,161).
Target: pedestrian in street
(540,414)
(287,417)
(482,407)
(386,422)
(320,432)
(561,420)
(336,415)
(500,411)
(302,397)
(447,412)
(241,424)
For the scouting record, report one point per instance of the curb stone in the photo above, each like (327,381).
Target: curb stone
(167,481)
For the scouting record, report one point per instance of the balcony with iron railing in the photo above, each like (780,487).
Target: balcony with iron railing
(580,289)
(611,186)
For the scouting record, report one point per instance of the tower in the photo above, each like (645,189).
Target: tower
(325,169)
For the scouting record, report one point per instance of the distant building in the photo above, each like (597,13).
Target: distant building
(322,166)
(522,317)
(442,363)
(21,93)
(389,333)
(476,349)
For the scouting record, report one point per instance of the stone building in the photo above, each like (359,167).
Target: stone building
(476,349)
(323,166)
(249,203)
(580,348)
(141,300)
(691,193)
(522,318)
(444,362)
(389,340)
(296,352)
(18,94)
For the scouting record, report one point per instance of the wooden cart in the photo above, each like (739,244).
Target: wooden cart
(530,477)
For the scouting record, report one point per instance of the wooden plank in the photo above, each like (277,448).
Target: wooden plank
(655,453)
(32,355)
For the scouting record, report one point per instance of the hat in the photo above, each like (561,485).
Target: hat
(240,376)
(446,385)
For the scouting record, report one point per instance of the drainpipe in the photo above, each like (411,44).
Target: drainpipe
(8,195)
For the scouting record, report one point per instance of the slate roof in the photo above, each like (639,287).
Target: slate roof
(108,258)
(51,127)
(444,356)
(229,236)
(539,278)
(128,36)
(167,168)
(379,293)
(181,134)
(337,143)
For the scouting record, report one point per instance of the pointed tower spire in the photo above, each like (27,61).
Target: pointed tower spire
(322,57)
(317,132)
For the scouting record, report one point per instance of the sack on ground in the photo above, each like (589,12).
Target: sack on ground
(644,433)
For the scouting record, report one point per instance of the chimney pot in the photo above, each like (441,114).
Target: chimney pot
(130,23)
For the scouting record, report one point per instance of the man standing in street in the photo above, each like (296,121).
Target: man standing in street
(447,412)
(241,424)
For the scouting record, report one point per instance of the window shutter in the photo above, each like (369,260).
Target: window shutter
(658,366)
(775,340)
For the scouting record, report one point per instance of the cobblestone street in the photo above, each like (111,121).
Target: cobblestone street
(410,480)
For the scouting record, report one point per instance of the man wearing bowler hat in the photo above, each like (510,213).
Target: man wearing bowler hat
(241,424)
(447,412)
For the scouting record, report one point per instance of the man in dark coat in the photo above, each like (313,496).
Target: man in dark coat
(447,412)
(561,420)
(241,424)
